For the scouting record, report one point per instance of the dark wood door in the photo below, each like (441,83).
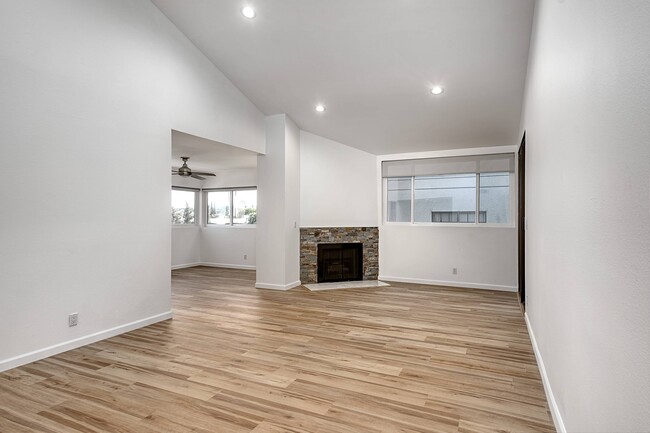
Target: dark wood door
(521,220)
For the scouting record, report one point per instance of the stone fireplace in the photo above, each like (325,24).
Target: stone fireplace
(311,237)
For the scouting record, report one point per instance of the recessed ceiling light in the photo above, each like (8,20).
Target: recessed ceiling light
(248,12)
(437,90)
(320,108)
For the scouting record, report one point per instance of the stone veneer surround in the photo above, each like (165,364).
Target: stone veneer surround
(310,237)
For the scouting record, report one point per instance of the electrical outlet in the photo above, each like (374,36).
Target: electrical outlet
(454,271)
(73,319)
(245,256)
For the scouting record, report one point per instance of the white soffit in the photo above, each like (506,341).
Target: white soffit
(209,156)
(373,63)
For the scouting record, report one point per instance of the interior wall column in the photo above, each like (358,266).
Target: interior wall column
(278,207)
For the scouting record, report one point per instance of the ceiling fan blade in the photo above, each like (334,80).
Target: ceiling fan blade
(195,176)
(174,173)
(203,174)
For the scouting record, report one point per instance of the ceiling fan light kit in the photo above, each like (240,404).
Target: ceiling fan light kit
(185,171)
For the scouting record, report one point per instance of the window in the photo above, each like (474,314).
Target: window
(463,190)
(218,207)
(445,198)
(183,205)
(244,204)
(232,207)
(495,197)
(399,199)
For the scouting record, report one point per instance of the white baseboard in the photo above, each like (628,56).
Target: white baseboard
(555,410)
(186,265)
(277,286)
(214,265)
(449,283)
(228,266)
(26,358)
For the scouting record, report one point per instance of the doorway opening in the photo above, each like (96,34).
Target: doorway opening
(214,205)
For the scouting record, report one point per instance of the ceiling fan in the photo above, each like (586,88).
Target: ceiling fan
(185,171)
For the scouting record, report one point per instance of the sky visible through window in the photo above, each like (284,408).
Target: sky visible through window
(181,198)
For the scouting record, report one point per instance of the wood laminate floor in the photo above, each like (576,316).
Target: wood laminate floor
(405,358)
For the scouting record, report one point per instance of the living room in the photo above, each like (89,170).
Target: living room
(93,93)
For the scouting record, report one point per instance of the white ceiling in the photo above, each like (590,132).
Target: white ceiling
(209,156)
(372,63)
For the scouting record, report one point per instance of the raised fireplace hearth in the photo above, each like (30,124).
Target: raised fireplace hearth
(366,240)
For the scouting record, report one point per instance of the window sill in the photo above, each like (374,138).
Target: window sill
(466,225)
(185,226)
(228,226)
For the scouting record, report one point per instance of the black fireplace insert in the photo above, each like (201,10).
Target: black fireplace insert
(340,262)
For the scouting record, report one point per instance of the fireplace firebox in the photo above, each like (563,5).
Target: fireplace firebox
(340,262)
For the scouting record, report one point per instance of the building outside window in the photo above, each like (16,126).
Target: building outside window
(445,198)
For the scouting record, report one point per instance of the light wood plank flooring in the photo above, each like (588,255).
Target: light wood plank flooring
(405,358)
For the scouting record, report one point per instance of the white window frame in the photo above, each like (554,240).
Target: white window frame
(476,223)
(231,192)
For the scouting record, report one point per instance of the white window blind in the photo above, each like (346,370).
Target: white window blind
(496,163)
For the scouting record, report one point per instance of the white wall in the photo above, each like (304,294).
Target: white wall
(270,206)
(588,208)
(186,239)
(90,93)
(338,184)
(278,206)
(239,177)
(229,246)
(186,182)
(485,257)
(292,202)
(186,246)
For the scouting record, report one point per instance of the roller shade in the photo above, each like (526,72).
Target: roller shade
(502,162)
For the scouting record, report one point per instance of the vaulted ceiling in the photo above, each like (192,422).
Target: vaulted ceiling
(372,63)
